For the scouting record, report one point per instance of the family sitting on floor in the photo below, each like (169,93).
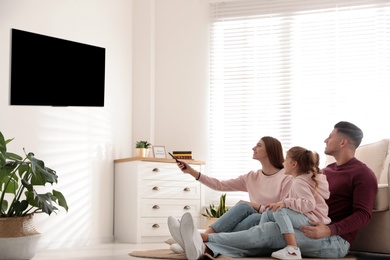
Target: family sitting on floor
(295,208)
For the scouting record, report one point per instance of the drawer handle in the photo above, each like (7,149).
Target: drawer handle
(156,170)
(186,189)
(155,188)
(187,207)
(156,207)
(155,226)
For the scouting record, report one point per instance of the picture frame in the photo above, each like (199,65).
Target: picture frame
(159,152)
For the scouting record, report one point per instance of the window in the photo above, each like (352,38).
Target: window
(292,69)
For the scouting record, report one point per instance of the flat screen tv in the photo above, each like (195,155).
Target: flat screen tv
(48,71)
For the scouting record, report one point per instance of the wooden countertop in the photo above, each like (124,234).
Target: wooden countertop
(164,160)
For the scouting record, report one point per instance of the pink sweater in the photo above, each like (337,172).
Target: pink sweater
(307,199)
(262,189)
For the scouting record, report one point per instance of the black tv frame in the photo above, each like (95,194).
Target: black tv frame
(50,71)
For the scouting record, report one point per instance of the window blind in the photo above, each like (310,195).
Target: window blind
(292,69)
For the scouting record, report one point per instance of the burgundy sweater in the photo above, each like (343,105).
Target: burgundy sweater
(353,187)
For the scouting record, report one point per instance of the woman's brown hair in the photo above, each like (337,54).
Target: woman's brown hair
(274,150)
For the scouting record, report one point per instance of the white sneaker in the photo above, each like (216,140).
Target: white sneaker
(170,241)
(193,243)
(176,248)
(289,252)
(174,229)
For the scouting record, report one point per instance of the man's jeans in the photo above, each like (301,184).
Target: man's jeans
(262,240)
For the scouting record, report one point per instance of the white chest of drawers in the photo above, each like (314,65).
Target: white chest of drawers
(147,191)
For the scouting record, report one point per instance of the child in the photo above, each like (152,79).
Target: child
(306,200)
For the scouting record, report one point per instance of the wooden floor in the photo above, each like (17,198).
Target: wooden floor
(113,251)
(120,251)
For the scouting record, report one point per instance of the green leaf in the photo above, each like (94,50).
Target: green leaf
(13,156)
(18,207)
(24,170)
(142,144)
(9,185)
(41,201)
(18,176)
(3,207)
(3,151)
(41,174)
(3,144)
(216,212)
(208,213)
(60,199)
(213,210)
(8,182)
(27,185)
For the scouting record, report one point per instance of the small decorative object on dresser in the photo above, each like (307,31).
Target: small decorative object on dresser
(159,152)
(183,154)
(19,201)
(142,148)
(147,192)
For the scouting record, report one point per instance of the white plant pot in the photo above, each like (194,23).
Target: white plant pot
(19,248)
(18,238)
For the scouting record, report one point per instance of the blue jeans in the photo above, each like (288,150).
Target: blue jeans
(262,240)
(287,219)
(240,217)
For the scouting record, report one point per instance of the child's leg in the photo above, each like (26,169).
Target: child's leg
(290,239)
(267,216)
(295,218)
(287,220)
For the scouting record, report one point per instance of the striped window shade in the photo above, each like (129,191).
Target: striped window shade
(292,69)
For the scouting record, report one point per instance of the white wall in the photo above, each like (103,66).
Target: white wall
(170,89)
(181,88)
(168,77)
(80,143)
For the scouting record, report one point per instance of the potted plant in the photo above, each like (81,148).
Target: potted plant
(19,200)
(142,148)
(214,212)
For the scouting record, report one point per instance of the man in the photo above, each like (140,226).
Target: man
(352,186)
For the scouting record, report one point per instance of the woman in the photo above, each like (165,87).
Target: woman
(264,186)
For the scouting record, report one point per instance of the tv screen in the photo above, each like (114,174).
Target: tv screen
(48,71)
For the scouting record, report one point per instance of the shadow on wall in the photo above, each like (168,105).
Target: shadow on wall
(77,143)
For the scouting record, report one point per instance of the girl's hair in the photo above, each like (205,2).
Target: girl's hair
(274,150)
(308,161)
